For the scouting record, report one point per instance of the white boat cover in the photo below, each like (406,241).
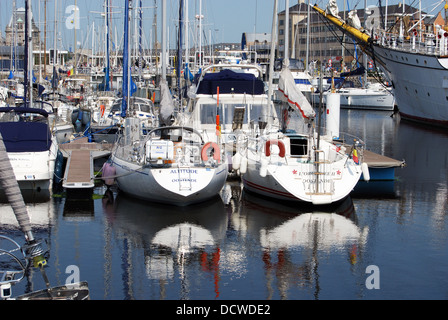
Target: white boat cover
(293,95)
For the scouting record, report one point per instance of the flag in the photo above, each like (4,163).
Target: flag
(70,72)
(355,156)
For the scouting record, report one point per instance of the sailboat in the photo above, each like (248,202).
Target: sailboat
(26,133)
(281,163)
(171,164)
(32,253)
(418,71)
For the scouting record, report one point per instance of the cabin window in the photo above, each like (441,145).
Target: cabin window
(299,146)
(227,116)
(208,113)
(258,112)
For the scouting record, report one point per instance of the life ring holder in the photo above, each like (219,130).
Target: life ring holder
(280,145)
(216,151)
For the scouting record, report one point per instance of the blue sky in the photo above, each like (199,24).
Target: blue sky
(224,20)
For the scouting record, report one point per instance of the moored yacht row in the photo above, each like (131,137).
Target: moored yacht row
(182,151)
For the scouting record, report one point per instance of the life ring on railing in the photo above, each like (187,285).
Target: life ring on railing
(280,145)
(216,151)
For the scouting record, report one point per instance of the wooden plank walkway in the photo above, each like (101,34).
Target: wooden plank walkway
(79,170)
(98,149)
(80,154)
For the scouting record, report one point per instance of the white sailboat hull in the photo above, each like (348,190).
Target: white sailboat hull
(298,181)
(175,185)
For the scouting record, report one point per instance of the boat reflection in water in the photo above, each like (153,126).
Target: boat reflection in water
(179,243)
(40,210)
(293,240)
(204,251)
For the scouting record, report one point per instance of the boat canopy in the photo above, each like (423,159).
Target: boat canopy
(230,81)
(26,136)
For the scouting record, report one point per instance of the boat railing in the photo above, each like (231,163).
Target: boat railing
(350,142)
(13,265)
(172,152)
(215,67)
(428,43)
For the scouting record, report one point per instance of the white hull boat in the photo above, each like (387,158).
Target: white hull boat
(420,84)
(171,165)
(369,98)
(418,70)
(276,161)
(295,172)
(31,147)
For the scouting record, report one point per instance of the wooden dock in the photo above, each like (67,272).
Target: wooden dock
(80,154)
(79,170)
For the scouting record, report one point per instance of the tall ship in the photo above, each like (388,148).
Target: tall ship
(417,65)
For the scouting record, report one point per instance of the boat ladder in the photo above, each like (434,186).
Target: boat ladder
(184,173)
(323,184)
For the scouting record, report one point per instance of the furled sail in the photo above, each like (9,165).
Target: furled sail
(293,95)
(166,114)
(12,190)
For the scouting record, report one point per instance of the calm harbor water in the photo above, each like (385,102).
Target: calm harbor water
(247,247)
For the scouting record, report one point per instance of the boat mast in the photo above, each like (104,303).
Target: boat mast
(107,76)
(45,38)
(140,45)
(187,50)
(29,53)
(307,61)
(12,42)
(365,54)
(179,47)
(271,59)
(75,22)
(163,40)
(286,45)
(125,87)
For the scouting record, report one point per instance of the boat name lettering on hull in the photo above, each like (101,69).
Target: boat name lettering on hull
(176,171)
(184,180)
(312,181)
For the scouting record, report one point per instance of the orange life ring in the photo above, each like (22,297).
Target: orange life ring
(280,144)
(216,152)
(102,108)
